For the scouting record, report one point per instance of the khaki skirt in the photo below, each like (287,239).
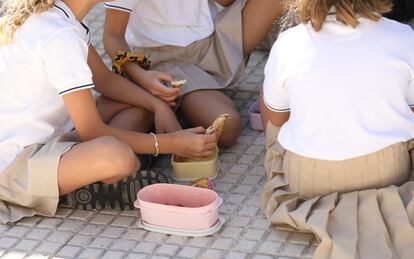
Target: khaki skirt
(357,208)
(29,185)
(211,63)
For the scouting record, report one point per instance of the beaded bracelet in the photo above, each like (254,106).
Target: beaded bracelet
(156,145)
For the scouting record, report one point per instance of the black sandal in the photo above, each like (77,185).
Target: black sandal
(119,196)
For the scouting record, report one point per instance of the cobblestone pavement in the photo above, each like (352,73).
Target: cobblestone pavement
(113,234)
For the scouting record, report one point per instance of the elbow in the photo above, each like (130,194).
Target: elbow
(92,132)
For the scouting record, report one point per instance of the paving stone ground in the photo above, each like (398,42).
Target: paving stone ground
(113,234)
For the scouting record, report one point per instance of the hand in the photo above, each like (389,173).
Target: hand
(194,143)
(165,120)
(152,82)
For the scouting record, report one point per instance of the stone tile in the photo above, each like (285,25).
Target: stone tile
(81,240)
(246,245)
(39,234)
(29,221)
(14,255)
(136,256)
(124,221)
(37,256)
(145,247)
(260,223)
(26,245)
(16,231)
(155,237)
(102,242)
(63,212)
(60,237)
(113,255)
(135,234)
(270,248)
(239,221)
(91,253)
(212,254)
(113,232)
(124,245)
(254,234)
(177,240)
(189,252)
(69,251)
(233,232)
(102,219)
(48,248)
(71,225)
(169,250)
(7,242)
(294,250)
(236,255)
(50,223)
(91,229)
(223,243)
(81,215)
(200,241)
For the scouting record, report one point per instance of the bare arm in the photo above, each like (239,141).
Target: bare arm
(124,90)
(412,109)
(84,114)
(276,118)
(114,40)
(225,2)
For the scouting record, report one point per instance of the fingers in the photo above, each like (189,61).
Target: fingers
(164,76)
(167,92)
(197,130)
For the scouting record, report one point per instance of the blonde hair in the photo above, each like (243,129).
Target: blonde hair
(347,11)
(16,12)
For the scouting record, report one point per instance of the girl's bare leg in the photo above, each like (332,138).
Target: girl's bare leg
(258,17)
(202,107)
(105,159)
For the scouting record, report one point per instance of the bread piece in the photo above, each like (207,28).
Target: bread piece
(178,83)
(218,125)
(216,128)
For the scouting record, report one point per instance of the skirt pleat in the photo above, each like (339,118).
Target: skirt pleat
(356,208)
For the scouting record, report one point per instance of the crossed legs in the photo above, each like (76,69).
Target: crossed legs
(106,158)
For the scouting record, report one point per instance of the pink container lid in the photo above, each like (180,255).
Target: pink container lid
(177,198)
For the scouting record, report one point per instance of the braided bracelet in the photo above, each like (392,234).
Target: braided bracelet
(156,145)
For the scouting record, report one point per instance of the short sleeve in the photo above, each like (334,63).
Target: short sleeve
(410,93)
(274,93)
(122,5)
(65,58)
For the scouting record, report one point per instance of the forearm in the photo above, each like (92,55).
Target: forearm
(141,143)
(225,2)
(115,43)
(120,89)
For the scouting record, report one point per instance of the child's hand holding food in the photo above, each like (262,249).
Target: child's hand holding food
(194,143)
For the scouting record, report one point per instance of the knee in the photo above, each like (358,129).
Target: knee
(118,158)
(231,131)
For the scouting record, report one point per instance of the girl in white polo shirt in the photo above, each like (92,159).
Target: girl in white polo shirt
(190,39)
(47,69)
(341,87)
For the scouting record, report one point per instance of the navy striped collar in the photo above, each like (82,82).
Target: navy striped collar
(66,11)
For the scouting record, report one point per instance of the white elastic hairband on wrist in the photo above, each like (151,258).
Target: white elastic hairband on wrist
(156,145)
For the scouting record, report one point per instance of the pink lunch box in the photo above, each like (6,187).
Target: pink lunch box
(254,116)
(178,206)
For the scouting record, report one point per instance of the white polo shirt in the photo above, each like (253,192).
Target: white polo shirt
(349,91)
(154,23)
(46,60)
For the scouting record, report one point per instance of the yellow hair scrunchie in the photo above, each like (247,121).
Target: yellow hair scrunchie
(122,57)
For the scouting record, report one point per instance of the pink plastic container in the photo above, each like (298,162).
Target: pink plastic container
(178,206)
(254,116)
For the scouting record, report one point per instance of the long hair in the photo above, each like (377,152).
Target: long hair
(15,12)
(347,11)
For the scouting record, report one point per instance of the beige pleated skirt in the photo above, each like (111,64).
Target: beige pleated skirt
(29,185)
(211,63)
(357,208)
